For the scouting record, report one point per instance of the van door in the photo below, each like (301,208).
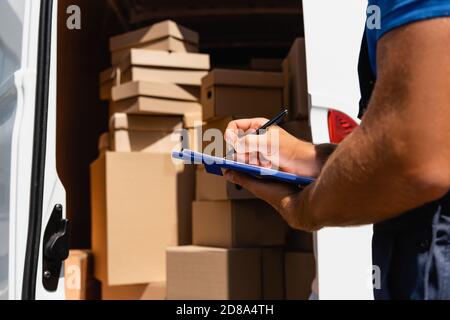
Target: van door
(32,198)
(333,33)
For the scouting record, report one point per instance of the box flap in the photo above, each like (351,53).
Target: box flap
(153,89)
(244,78)
(167,28)
(123,121)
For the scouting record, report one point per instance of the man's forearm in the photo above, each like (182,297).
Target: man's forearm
(399,158)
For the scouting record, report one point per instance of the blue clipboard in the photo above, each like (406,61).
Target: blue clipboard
(214,165)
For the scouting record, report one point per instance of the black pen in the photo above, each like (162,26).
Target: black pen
(275,121)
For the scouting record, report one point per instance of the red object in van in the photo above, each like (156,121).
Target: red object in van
(340,126)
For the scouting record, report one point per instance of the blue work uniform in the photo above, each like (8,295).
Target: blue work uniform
(412,251)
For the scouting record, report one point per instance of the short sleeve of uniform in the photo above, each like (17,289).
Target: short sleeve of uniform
(396,13)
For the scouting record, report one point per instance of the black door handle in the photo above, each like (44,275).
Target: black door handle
(56,248)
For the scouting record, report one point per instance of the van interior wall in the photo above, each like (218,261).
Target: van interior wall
(231,31)
(81,116)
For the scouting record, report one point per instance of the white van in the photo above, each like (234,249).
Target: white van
(40,134)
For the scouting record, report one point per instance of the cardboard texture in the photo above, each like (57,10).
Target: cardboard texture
(162,59)
(295,81)
(202,273)
(299,129)
(213,133)
(190,111)
(78,276)
(300,272)
(235,224)
(131,133)
(266,64)
(163,29)
(154,89)
(241,94)
(152,291)
(140,205)
(177,76)
(210,187)
(169,44)
(145,141)
(273,274)
(122,121)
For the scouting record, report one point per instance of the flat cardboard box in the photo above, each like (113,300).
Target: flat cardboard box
(140,205)
(177,76)
(202,273)
(299,129)
(78,276)
(295,78)
(241,94)
(169,44)
(145,141)
(237,224)
(163,29)
(266,64)
(210,187)
(273,274)
(108,79)
(189,110)
(123,121)
(162,59)
(156,90)
(151,291)
(300,271)
(132,133)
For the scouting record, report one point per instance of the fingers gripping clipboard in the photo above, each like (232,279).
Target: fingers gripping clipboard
(214,165)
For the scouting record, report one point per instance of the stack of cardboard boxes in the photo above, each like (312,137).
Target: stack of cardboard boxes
(147,230)
(141,199)
(238,241)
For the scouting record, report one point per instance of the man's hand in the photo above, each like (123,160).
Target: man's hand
(282,196)
(275,148)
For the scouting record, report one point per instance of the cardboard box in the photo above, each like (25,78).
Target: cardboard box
(241,94)
(299,129)
(169,44)
(78,276)
(295,79)
(213,133)
(108,79)
(300,271)
(161,59)
(140,205)
(202,273)
(189,110)
(210,187)
(161,30)
(237,224)
(122,121)
(266,64)
(177,76)
(131,133)
(152,291)
(154,89)
(273,274)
